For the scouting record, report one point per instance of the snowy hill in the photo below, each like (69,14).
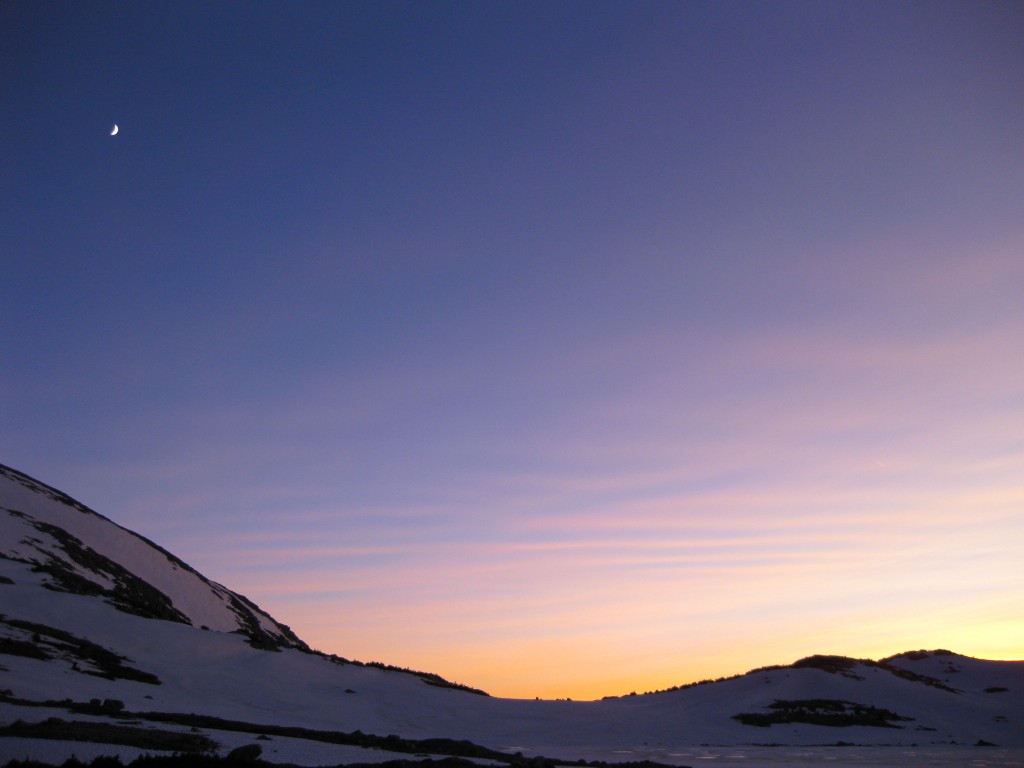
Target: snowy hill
(110,644)
(84,553)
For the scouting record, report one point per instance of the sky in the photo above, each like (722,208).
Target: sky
(563,349)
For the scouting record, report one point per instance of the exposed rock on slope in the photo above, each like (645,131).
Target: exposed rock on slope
(84,553)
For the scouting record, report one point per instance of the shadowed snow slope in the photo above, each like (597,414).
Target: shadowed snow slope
(91,611)
(83,552)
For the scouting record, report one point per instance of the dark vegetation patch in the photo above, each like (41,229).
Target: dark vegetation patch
(706,681)
(237,758)
(837,665)
(106,707)
(842,665)
(920,655)
(110,733)
(48,642)
(906,674)
(41,488)
(130,593)
(827,712)
(390,743)
(826,663)
(459,750)
(244,609)
(427,677)
(13,647)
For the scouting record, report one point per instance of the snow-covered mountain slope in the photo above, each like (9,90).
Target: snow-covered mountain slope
(82,552)
(100,626)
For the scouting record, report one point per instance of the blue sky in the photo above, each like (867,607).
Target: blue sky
(511,340)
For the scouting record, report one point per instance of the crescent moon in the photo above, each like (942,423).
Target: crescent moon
(113,131)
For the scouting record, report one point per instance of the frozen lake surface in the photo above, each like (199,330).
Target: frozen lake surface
(801,757)
(297,752)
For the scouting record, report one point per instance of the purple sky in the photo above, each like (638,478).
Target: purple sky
(559,348)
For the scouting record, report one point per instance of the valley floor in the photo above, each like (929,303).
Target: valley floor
(805,757)
(295,752)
